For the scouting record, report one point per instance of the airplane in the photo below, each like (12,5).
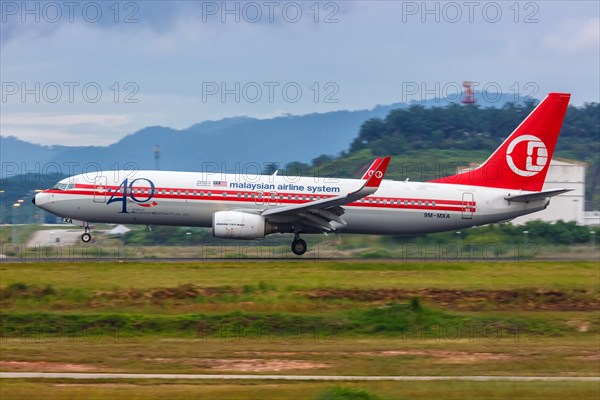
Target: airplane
(509,184)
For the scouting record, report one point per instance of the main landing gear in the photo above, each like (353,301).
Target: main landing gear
(298,245)
(86,237)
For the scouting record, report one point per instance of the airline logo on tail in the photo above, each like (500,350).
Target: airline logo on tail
(537,155)
(378,174)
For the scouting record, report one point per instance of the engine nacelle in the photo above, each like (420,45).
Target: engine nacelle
(238,225)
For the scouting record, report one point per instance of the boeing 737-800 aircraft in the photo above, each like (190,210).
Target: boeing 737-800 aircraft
(508,185)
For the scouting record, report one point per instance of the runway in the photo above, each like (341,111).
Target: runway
(36,259)
(479,378)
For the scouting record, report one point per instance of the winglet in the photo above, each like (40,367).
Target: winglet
(377,176)
(371,169)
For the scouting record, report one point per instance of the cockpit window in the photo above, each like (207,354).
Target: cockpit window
(64,186)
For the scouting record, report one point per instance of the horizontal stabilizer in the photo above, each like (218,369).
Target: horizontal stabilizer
(524,198)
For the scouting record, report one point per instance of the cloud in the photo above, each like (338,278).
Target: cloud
(38,18)
(575,37)
(74,129)
(106,120)
(370,53)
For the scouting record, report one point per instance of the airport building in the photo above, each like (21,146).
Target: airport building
(591,218)
(568,206)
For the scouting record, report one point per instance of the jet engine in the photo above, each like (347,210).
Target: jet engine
(239,225)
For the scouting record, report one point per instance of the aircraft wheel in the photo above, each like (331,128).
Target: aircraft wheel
(299,247)
(86,237)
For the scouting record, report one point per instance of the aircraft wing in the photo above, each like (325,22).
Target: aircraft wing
(525,198)
(320,213)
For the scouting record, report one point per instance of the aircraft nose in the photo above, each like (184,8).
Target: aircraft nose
(42,200)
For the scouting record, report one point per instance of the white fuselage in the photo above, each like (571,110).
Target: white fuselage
(191,199)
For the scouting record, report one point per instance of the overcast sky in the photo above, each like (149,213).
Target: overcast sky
(76,73)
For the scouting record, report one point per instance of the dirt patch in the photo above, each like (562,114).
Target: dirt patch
(259,365)
(23,290)
(131,296)
(45,366)
(101,385)
(527,299)
(588,356)
(244,364)
(455,357)
(287,353)
(581,326)
(184,293)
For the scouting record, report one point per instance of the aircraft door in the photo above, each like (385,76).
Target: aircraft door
(100,188)
(468,205)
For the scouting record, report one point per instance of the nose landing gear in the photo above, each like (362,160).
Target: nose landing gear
(86,237)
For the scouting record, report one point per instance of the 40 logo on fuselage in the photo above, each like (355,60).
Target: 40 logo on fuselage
(125,192)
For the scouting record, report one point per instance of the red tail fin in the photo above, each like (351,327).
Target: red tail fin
(522,161)
(376,177)
(371,169)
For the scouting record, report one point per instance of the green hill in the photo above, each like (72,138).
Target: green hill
(425,142)
(431,142)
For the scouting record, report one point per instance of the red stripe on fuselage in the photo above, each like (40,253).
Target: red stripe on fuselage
(266,199)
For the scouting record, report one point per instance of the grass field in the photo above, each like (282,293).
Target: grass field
(302,317)
(489,243)
(132,390)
